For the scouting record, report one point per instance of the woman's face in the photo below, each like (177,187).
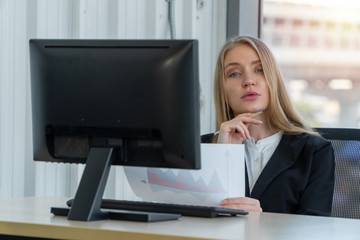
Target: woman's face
(245,83)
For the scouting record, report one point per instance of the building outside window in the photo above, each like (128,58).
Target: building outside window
(317,44)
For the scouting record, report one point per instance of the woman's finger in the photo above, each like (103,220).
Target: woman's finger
(245,207)
(243,203)
(242,128)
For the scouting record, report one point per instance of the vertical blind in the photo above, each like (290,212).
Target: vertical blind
(21,20)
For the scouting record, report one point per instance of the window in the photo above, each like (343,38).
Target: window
(297,22)
(330,26)
(318,57)
(314,23)
(279,21)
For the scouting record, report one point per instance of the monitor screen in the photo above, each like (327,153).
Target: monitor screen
(139,99)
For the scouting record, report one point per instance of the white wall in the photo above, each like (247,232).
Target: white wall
(21,20)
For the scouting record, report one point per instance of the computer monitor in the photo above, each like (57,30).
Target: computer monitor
(106,102)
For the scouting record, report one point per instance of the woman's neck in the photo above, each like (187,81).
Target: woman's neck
(261,131)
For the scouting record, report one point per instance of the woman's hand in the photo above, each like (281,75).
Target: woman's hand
(236,129)
(242,203)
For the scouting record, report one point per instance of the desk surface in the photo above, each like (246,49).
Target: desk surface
(32,217)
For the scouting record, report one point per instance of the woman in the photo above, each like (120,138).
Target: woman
(290,169)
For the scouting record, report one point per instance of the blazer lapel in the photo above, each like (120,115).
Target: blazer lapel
(283,157)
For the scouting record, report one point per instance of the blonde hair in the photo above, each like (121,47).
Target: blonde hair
(282,116)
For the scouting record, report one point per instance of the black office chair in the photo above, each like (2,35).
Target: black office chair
(346,144)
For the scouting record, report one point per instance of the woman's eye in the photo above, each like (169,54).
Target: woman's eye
(259,70)
(235,74)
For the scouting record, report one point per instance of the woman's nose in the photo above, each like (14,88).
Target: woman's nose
(248,80)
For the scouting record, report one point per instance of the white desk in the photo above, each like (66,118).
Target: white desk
(32,217)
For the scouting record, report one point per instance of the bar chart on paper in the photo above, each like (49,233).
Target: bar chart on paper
(221,176)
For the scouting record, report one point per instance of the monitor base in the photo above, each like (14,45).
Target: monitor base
(125,215)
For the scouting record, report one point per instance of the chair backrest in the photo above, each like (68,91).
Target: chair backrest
(346,144)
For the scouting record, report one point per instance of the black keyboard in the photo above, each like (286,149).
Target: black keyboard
(184,210)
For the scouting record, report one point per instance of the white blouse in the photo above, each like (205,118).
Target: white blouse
(257,155)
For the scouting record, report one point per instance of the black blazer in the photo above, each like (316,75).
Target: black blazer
(299,177)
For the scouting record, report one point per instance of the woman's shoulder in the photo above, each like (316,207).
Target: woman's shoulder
(308,139)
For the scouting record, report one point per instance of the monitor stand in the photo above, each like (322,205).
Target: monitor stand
(87,201)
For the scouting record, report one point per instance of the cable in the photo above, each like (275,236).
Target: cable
(171,16)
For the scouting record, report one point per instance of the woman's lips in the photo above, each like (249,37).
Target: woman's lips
(251,95)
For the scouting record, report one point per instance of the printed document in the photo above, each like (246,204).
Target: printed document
(222,175)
